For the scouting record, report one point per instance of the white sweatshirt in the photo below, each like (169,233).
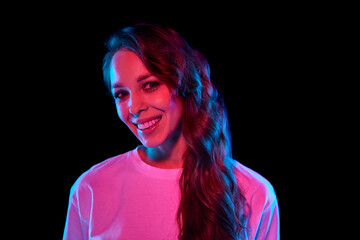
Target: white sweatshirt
(125,198)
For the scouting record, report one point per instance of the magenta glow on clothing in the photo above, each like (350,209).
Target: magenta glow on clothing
(124,198)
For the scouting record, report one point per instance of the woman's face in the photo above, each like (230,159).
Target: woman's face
(144,103)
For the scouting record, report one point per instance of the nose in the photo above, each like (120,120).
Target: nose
(136,105)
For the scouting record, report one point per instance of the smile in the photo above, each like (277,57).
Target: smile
(148,124)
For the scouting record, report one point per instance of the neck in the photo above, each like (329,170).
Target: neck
(168,155)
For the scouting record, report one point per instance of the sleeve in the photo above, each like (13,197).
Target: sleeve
(75,227)
(269,227)
(264,219)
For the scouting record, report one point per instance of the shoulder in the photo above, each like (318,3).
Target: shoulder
(102,171)
(261,206)
(254,187)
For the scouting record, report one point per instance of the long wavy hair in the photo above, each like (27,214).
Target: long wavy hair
(211,204)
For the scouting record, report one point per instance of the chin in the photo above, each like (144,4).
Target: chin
(151,143)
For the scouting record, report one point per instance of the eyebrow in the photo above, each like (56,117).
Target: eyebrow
(143,77)
(140,78)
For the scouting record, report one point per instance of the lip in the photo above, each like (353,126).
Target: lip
(144,120)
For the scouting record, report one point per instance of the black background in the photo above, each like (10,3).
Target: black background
(69,123)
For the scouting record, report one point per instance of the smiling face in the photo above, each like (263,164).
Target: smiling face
(144,103)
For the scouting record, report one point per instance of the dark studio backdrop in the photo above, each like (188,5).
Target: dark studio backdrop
(253,58)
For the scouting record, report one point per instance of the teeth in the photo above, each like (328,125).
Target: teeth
(143,126)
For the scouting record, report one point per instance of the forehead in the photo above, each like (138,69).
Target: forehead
(126,66)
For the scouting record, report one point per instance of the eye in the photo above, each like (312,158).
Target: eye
(120,94)
(151,86)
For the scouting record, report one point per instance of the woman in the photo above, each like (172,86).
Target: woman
(181,183)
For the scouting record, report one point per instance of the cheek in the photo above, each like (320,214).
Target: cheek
(175,108)
(162,100)
(122,112)
(169,102)
(166,99)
